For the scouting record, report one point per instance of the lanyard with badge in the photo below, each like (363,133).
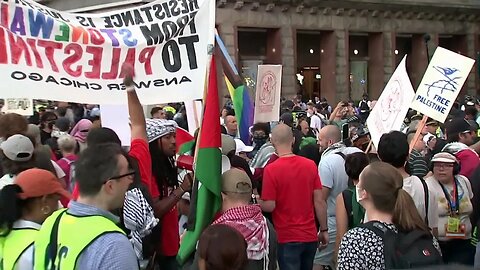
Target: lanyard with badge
(454,228)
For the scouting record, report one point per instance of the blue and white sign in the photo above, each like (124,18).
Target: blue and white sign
(441,84)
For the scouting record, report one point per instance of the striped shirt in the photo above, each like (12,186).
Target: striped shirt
(417,164)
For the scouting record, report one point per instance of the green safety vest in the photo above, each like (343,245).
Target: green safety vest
(14,244)
(74,234)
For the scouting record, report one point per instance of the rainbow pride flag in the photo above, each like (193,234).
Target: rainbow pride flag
(242,103)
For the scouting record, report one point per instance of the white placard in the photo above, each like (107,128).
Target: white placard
(392,106)
(442,83)
(194,114)
(268,91)
(22,106)
(116,117)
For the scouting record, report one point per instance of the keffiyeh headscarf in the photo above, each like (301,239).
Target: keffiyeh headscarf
(80,130)
(250,222)
(138,218)
(157,128)
(333,147)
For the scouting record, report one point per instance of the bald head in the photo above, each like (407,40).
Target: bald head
(231,124)
(282,135)
(332,132)
(328,135)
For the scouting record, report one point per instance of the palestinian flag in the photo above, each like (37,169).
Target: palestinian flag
(184,140)
(205,198)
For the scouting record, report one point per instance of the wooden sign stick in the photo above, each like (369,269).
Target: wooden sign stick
(420,127)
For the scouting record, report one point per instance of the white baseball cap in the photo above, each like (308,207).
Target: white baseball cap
(18,148)
(241,147)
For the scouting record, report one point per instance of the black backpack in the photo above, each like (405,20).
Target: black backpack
(406,250)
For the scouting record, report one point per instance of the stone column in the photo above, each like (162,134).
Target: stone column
(289,87)
(471,83)
(343,83)
(376,64)
(328,59)
(418,59)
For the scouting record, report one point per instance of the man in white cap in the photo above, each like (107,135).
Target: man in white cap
(242,150)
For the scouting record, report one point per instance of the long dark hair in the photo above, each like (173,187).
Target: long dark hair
(10,207)
(163,168)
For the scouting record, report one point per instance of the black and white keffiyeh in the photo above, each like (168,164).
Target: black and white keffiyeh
(157,128)
(138,218)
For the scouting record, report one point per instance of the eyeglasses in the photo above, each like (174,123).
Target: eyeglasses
(443,165)
(131,173)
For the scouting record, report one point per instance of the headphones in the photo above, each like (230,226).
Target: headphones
(456,165)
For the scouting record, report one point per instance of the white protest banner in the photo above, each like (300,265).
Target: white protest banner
(22,106)
(48,54)
(267,97)
(441,83)
(392,106)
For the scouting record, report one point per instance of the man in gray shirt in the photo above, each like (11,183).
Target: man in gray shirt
(334,181)
(86,236)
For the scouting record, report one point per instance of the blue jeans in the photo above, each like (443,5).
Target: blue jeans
(296,256)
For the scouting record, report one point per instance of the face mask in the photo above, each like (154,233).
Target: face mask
(357,191)
(259,141)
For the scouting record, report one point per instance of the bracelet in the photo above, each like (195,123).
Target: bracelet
(130,88)
(183,190)
(326,230)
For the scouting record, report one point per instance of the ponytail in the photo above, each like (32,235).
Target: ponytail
(10,207)
(405,213)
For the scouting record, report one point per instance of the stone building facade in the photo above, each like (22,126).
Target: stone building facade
(338,49)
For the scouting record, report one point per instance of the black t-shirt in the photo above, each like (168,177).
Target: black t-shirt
(44,136)
(298,135)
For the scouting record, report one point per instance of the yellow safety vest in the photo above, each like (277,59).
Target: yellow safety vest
(74,234)
(14,244)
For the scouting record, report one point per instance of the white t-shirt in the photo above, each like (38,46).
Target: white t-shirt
(465,194)
(413,186)
(315,122)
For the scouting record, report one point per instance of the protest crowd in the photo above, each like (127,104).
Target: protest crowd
(274,182)
(307,192)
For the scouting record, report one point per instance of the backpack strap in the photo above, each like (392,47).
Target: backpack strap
(427,199)
(348,198)
(67,160)
(389,239)
(342,155)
